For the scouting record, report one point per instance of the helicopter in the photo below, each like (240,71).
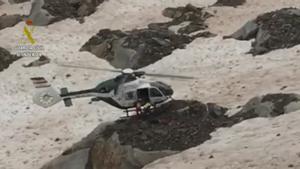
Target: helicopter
(125,91)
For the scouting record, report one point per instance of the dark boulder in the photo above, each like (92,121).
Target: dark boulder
(110,154)
(193,17)
(9,20)
(42,60)
(99,152)
(71,8)
(76,160)
(233,3)
(6,59)
(17,1)
(141,47)
(136,48)
(45,12)
(133,142)
(270,105)
(175,126)
(274,30)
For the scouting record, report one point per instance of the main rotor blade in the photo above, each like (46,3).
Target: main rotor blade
(169,76)
(120,71)
(87,67)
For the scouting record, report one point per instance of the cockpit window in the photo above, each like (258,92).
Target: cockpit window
(130,95)
(155,93)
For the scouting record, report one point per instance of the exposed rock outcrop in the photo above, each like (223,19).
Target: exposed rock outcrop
(271,31)
(134,142)
(42,60)
(141,47)
(270,105)
(17,1)
(185,20)
(233,3)
(97,152)
(134,49)
(176,126)
(45,12)
(6,59)
(9,20)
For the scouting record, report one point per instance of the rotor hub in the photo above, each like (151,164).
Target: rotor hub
(127,71)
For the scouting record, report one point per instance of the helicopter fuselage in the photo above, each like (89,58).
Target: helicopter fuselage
(123,92)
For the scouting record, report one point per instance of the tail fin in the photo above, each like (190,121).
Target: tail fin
(46,96)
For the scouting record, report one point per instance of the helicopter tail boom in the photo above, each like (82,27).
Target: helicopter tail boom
(46,96)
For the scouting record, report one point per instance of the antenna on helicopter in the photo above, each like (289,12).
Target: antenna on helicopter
(124,71)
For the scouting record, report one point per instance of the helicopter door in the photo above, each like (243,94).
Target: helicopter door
(156,96)
(130,98)
(143,94)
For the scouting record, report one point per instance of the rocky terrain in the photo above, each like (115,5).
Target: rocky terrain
(9,20)
(6,59)
(46,12)
(141,47)
(270,105)
(42,60)
(70,8)
(215,121)
(17,1)
(174,127)
(233,3)
(274,30)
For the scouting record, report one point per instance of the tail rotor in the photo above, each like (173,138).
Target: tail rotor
(46,96)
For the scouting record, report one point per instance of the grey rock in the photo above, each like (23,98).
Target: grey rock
(123,57)
(9,20)
(141,47)
(109,154)
(247,32)
(270,105)
(39,62)
(273,30)
(216,110)
(57,10)
(262,38)
(73,1)
(292,107)
(46,12)
(6,58)
(89,140)
(136,48)
(233,3)
(97,151)
(76,160)
(17,1)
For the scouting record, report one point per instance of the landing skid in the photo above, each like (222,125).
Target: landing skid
(132,112)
